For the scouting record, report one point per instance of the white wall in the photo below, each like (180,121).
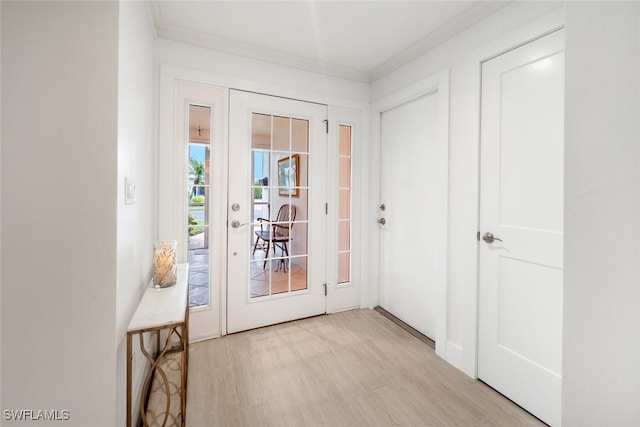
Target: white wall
(460,55)
(137,223)
(601,352)
(59,168)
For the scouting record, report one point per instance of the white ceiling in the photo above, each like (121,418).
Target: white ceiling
(359,40)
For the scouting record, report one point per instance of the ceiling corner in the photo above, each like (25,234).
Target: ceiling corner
(448,31)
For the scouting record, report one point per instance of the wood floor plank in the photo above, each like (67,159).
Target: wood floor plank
(496,407)
(355,368)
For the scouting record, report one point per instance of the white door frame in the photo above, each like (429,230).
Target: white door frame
(175,93)
(464,355)
(439,85)
(343,110)
(502,355)
(345,296)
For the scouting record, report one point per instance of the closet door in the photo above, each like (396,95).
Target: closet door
(521,223)
(413,213)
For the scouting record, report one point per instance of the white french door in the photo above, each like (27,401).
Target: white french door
(276,210)
(521,225)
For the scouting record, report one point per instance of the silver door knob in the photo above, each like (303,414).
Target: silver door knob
(382,221)
(236,224)
(490,238)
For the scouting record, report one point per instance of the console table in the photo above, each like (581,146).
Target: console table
(165,313)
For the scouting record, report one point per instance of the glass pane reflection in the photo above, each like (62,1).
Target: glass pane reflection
(279,193)
(197,193)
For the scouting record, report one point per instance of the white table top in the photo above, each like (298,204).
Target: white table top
(162,306)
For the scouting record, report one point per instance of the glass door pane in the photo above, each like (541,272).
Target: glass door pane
(279,185)
(198,193)
(344,204)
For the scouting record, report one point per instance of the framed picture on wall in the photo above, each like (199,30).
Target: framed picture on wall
(289,176)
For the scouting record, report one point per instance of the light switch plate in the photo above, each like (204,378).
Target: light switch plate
(129,191)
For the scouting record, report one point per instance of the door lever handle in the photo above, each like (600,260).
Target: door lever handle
(490,238)
(382,221)
(236,224)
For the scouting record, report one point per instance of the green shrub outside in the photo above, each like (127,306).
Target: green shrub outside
(194,227)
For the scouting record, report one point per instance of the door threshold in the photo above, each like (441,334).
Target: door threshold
(422,337)
(276,324)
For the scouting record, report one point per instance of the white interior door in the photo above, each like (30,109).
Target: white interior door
(520,295)
(414,160)
(277,210)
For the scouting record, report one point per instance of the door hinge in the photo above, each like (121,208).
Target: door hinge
(326,208)
(326,125)
(325,289)
(478,236)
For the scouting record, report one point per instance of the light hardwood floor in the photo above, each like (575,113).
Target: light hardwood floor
(355,368)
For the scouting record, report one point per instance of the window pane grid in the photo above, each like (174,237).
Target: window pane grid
(198,159)
(279,186)
(344,187)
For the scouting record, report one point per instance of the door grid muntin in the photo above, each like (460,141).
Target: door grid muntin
(280,159)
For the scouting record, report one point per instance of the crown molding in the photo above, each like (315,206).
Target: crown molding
(258,53)
(452,28)
(447,31)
